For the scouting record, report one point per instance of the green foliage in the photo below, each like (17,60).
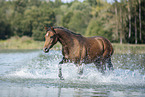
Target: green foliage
(77,23)
(90,18)
(25,18)
(36,19)
(101,24)
(5,30)
(78,17)
(135,13)
(38,35)
(92,2)
(97,28)
(66,19)
(5,26)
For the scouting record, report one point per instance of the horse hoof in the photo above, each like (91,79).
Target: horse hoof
(61,78)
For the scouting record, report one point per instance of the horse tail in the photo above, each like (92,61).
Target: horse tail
(108,52)
(108,48)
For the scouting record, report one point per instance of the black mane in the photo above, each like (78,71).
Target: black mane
(67,30)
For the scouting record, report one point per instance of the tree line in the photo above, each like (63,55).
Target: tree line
(120,21)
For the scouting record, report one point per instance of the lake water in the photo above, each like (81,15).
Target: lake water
(34,74)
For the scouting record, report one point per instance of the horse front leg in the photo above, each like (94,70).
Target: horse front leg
(60,72)
(80,68)
(60,69)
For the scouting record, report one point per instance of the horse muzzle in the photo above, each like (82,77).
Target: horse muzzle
(46,50)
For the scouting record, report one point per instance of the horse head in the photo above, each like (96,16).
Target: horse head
(50,39)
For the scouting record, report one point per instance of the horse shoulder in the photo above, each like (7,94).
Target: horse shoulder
(74,50)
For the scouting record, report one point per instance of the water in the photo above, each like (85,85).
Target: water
(34,74)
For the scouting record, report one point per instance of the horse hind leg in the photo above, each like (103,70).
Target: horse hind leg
(110,65)
(101,66)
(80,68)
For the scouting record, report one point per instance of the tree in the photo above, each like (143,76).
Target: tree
(40,17)
(137,8)
(5,30)
(129,16)
(140,24)
(5,20)
(102,23)
(116,17)
(78,17)
(122,18)
(66,19)
(20,5)
(92,3)
(122,21)
(101,26)
(135,24)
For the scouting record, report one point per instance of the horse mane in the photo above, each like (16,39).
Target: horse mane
(68,31)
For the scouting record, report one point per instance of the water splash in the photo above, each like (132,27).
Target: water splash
(36,74)
(45,67)
(90,76)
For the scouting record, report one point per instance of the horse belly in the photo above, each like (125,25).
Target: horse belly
(92,59)
(74,58)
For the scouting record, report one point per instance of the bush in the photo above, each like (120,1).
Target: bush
(98,28)
(38,35)
(26,39)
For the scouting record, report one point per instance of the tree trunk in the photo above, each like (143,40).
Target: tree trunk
(121,22)
(129,16)
(140,36)
(116,15)
(135,31)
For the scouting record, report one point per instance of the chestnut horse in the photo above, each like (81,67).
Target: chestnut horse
(79,49)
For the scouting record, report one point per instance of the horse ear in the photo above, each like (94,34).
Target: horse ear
(52,29)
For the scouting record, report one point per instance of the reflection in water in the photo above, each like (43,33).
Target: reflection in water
(59,92)
(34,74)
(90,92)
(40,91)
(50,92)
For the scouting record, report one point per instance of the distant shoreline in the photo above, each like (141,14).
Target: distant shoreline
(27,43)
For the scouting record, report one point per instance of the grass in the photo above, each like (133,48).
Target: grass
(21,43)
(28,43)
(129,48)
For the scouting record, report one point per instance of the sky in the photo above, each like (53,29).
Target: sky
(69,0)
(80,0)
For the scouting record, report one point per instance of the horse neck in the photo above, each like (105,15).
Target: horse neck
(65,38)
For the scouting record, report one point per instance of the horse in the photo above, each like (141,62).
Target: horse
(79,49)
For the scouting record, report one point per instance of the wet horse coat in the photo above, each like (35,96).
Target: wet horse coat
(79,49)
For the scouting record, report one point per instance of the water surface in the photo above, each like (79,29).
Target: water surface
(34,74)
